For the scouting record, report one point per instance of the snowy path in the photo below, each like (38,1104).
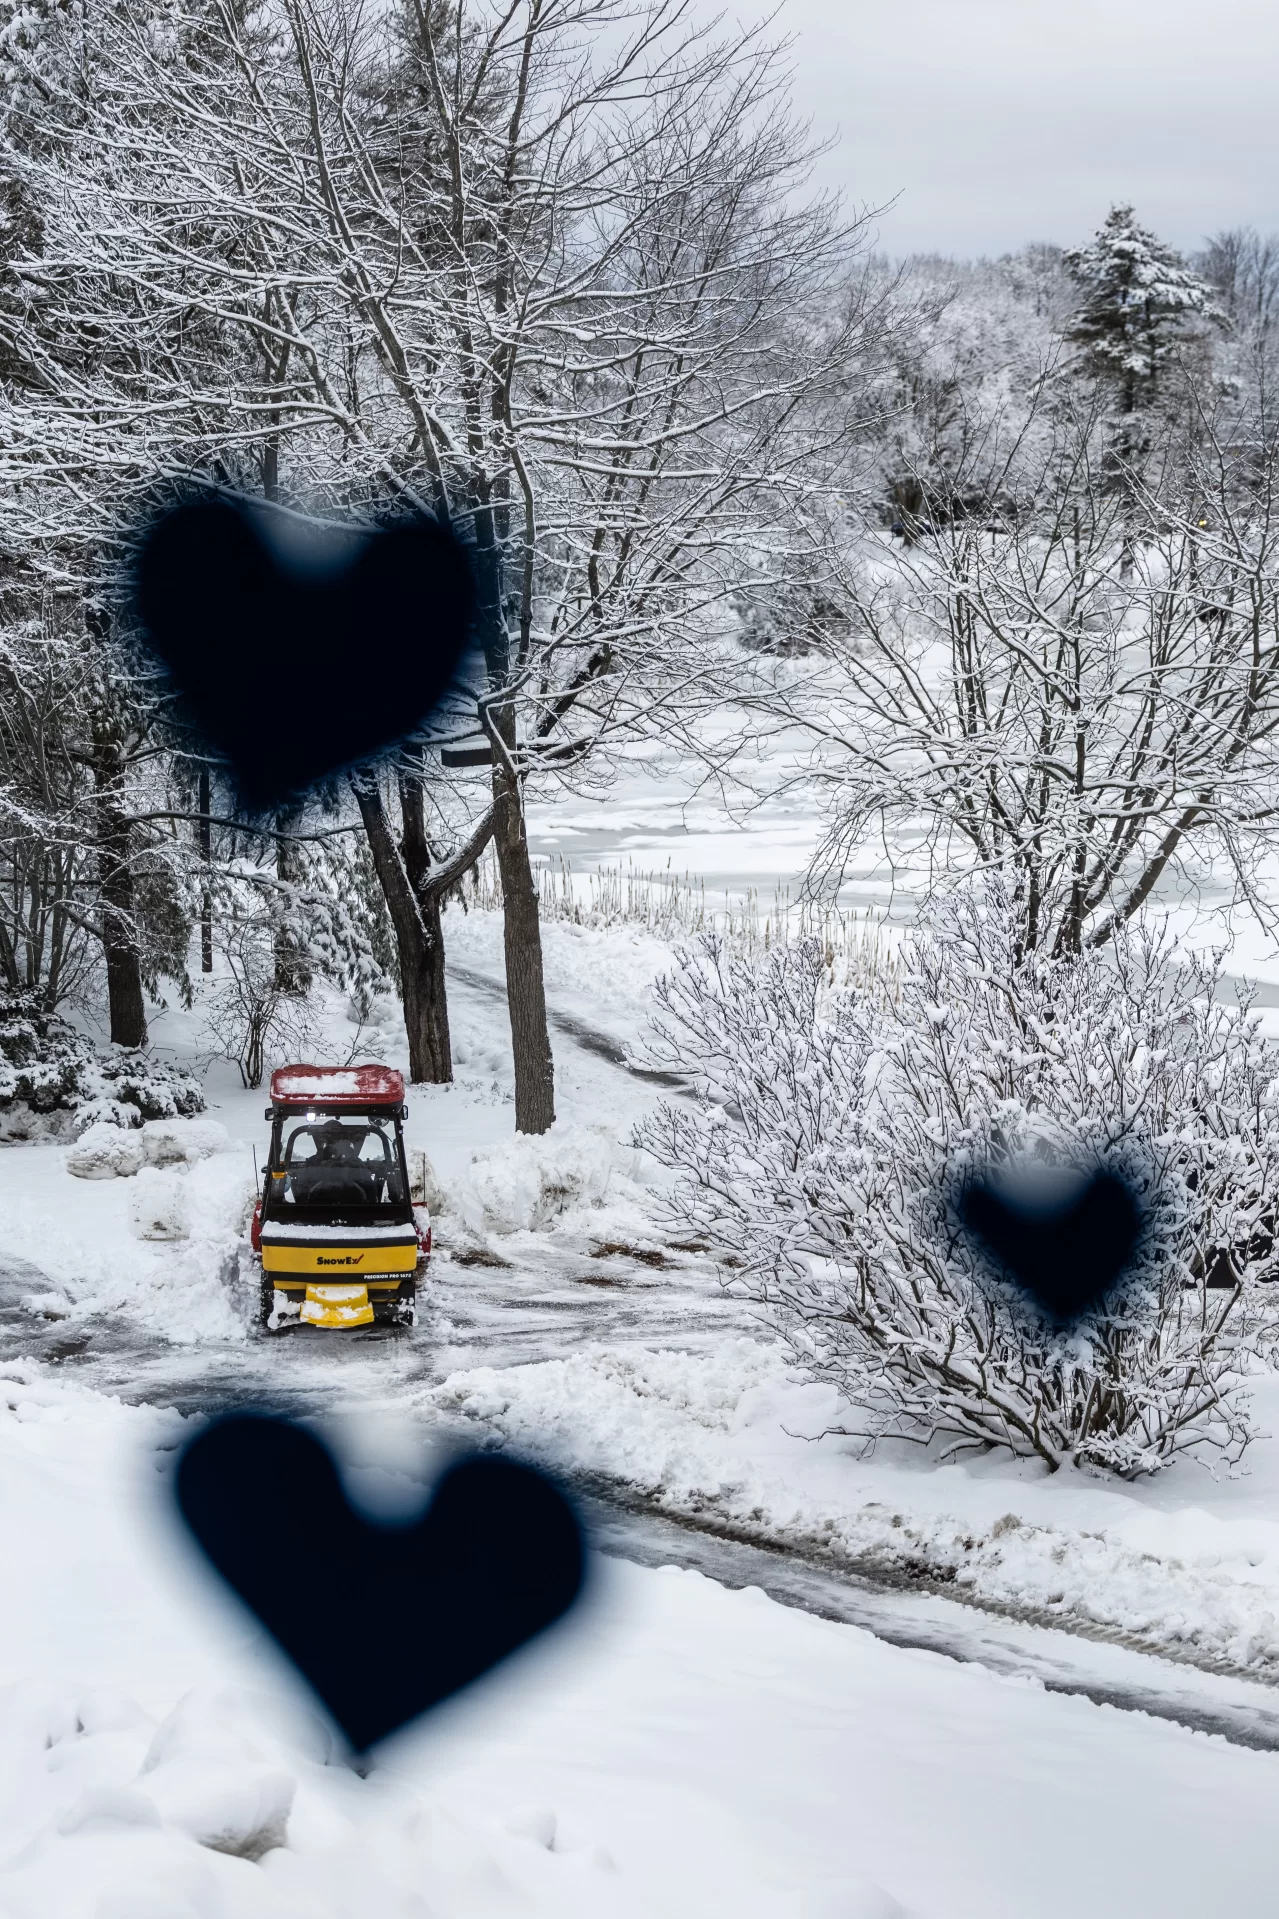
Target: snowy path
(1243,1711)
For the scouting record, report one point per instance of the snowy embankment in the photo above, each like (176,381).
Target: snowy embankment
(721,1438)
(678,1748)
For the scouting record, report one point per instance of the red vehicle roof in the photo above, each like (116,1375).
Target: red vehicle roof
(337,1086)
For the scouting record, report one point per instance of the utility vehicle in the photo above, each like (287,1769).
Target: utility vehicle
(339,1240)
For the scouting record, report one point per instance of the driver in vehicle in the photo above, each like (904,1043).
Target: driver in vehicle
(335,1145)
(327,1166)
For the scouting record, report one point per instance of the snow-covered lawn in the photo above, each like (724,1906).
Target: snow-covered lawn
(681,1749)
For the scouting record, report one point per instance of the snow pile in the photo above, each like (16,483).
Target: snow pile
(686,1750)
(157,1205)
(106,1151)
(181,1142)
(425,1185)
(230,1805)
(91,1236)
(54,1083)
(524,1183)
(723,1436)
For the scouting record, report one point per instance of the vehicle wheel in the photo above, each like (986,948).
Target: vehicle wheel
(266,1302)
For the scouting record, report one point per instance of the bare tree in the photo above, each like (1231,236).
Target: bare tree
(46,943)
(1081,699)
(1244,269)
(249,1017)
(548,273)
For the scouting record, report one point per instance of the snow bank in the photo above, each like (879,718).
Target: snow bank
(722,1436)
(685,1750)
(161,1248)
(525,1182)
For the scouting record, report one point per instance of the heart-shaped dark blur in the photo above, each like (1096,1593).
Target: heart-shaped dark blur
(300,648)
(383,1621)
(1067,1251)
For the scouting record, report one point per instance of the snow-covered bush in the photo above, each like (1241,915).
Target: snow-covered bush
(54,1083)
(839,1128)
(257,1015)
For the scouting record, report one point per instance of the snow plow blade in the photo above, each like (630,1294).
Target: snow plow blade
(329,1305)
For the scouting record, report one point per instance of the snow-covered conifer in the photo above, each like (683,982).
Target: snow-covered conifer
(1140,301)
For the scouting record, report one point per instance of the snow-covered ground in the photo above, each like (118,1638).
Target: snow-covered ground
(683,1747)
(680,1749)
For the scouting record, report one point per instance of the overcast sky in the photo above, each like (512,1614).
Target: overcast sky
(1000,121)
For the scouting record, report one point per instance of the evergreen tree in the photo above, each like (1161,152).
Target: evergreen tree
(1139,297)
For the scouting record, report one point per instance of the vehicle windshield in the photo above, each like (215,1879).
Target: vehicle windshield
(341,1162)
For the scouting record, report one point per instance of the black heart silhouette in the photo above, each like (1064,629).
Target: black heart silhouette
(383,1621)
(1066,1256)
(295,661)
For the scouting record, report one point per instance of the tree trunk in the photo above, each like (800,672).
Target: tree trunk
(293,974)
(206,858)
(521,925)
(419,942)
(119,926)
(522,941)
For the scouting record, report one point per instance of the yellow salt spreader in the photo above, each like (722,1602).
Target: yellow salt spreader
(339,1240)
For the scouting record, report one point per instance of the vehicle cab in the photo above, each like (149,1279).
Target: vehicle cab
(339,1239)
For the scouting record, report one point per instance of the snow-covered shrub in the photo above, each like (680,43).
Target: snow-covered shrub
(55,1083)
(132,1088)
(838,1129)
(788,618)
(257,1014)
